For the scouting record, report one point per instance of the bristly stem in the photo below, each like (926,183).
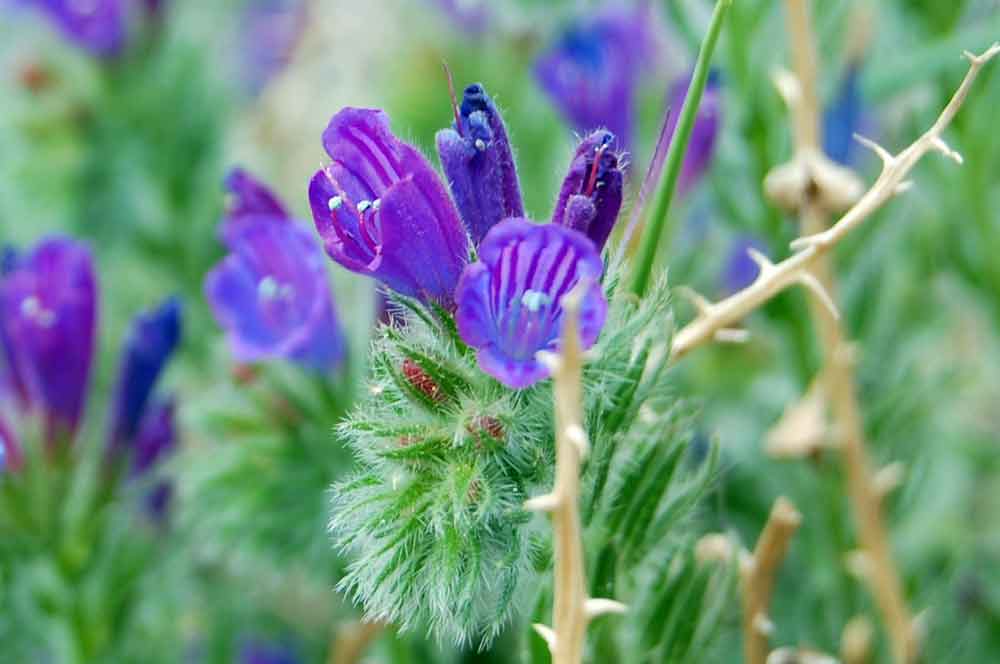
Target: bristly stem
(656,219)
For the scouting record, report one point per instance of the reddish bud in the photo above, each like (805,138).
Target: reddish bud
(421,380)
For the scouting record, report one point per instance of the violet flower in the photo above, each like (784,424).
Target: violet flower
(383,211)
(155,439)
(591,195)
(509,302)
(247,198)
(268,33)
(97,26)
(48,308)
(477,159)
(701,145)
(472,16)
(152,340)
(740,270)
(261,652)
(272,296)
(592,71)
(843,118)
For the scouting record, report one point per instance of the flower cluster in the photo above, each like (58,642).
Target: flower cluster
(382,211)
(48,324)
(272,293)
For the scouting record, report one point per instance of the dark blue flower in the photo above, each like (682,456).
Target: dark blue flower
(266,652)
(592,71)
(843,118)
(48,314)
(479,164)
(152,340)
(384,212)
(510,301)
(591,194)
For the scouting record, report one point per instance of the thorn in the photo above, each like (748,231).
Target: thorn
(788,86)
(889,478)
(808,241)
(762,261)
(763,624)
(812,283)
(578,437)
(715,547)
(903,187)
(599,607)
(946,150)
(980,60)
(699,301)
(547,503)
(728,335)
(883,154)
(547,634)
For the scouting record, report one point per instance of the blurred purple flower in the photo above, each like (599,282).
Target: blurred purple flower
(843,118)
(272,296)
(268,33)
(701,146)
(593,69)
(151,341)
(477,159)
(48,308)
(471,16)
(591,195)
(740,270)
(156,438)
(382,210)
(10,447)
(247,198)
(262,652)
(509,303)
(97,26)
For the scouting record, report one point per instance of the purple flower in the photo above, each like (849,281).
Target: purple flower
(478,162)
(472,16)
(701,146)
(741,270)
(97,26)
(247,198)
(591,194)
(382,210)
(843,118)
(269,31)
(509,302)
(272,296)
(592,71)
(48,313)
(262,652)
(152,340)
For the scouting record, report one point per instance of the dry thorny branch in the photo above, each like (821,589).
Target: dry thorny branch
(813,187)
(572,608)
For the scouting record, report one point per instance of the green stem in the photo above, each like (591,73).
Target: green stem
(664,192)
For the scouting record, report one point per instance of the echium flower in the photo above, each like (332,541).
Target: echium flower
(701,145)
(382,210)
(843,118)
(592,71)
(97,26)
(257,651)
(247,198)
(591,194)
(510,301)
(477,159)
(272,293)
(268,33)
(151,341)
(48,315)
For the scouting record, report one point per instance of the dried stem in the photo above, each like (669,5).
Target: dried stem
(759,571)
(795,269)
(572,609)
(353,640)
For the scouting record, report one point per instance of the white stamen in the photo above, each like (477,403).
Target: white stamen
(335,203)
(480,144)
(534,300)
(363,206)
(31,307)
(376,204)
